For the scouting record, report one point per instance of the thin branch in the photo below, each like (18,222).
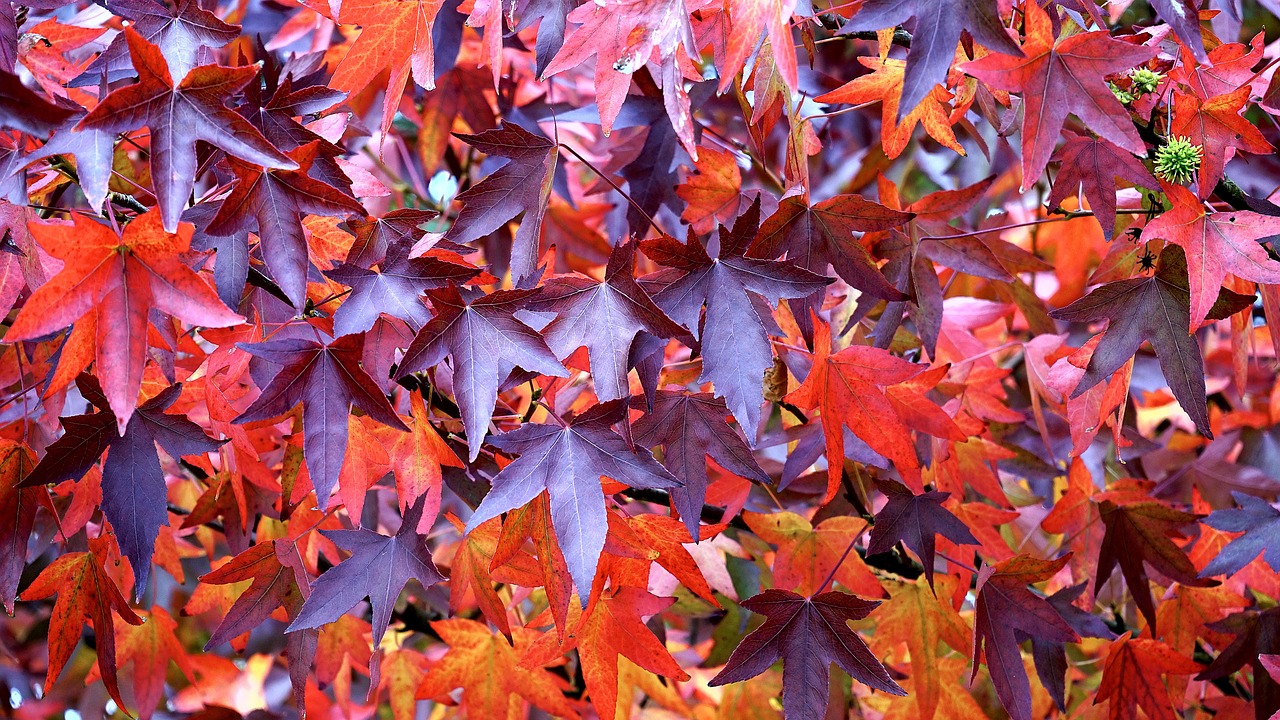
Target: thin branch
(614,185)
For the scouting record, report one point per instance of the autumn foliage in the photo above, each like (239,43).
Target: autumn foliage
(706,359)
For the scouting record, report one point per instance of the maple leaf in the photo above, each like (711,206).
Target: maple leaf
(1155,309)
(179,115)
(735,335)
(1141,530)
(1061,78)
(522,185)
(605,317)
(395,288)
(18,507)
(807,634)
(1131,678)
(116,281)
(1090,166)
(1216,124)
(25,110)
(884,84)
(915,521)
(862,388)
(1215,244)
(1259,522)
(378,569)
(692,427)
(486,342)
(85,591)
(1006,609)
(272,203)
(568,461)
(936,32)
(488,670)
(327,379)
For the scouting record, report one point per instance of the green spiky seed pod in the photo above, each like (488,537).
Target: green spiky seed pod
(1178,160)
(1145,81)
(1123,96)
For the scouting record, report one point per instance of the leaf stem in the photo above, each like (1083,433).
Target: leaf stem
(614,185)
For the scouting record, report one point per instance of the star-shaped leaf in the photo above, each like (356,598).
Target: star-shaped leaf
(116,281)
(378,569)
(1133,677)
(734,288)
(862,388)
(395,288)
(85,591)
(395,36)
(568,462)
(486,342)
(1061,78)
(1141,529)
(523,185)
(1217,125)
(178,116)
(272,204)
(915,521)
(937,28)
(605,317)
(1260,523)
(1005,611)
(1215,244)
(488,670)
(134,494)
(692,427)
(1090,166)
(1155,309)
(327,379)
(807,634)
(884,85)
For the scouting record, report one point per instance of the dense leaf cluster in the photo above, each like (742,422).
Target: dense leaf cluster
(639,358)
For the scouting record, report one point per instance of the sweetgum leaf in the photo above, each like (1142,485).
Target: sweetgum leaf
(1057,78)
(179,114)
(734,289)
(378,569)
(486,342)
(134,494)
(935,33)
(568,462)
(327,379)
(692,427)
(1155,309)
(605,317)
(807,634)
